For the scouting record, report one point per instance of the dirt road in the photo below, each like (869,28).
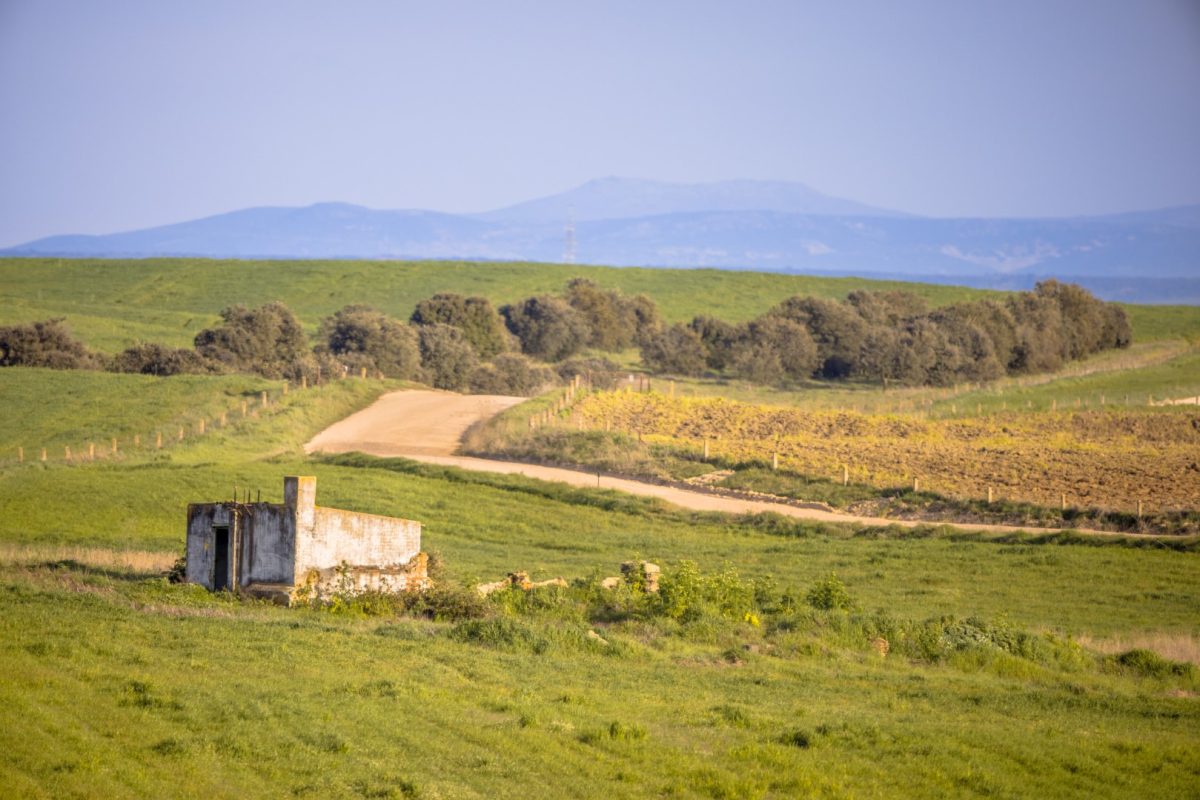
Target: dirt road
(410,423)
(427,425)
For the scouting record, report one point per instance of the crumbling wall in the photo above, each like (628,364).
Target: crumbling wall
(275,547)
(268,538)
(346,537)
(346,579)
(201,517)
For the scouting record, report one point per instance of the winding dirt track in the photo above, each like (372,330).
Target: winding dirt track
(428,425)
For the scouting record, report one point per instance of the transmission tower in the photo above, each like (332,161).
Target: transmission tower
(569,235)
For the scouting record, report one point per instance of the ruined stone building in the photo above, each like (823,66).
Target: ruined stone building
(282,550)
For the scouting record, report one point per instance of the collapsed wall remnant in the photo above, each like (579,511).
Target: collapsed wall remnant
(297,548)
(642,574)
(518,580)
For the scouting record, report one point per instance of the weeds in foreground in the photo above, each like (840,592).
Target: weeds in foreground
(738,616)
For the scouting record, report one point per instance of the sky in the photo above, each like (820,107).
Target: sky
(125,114)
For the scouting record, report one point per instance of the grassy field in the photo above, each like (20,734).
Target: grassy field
(118,684)
(112,303)
(216,415)
(188,695)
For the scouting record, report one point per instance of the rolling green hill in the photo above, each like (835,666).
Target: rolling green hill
(120,684)
(1017,663)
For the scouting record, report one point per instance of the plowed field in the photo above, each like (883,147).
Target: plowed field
(1103,459)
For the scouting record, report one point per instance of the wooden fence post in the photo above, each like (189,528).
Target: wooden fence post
(114,445)
(158,439)
(264,398)
(200,427)
(91,451)
(916,484)
(180,437)
(775,460)
(43,454)
(989,495)
(845,475)
(706,449)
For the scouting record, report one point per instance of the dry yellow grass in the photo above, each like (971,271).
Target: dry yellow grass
(136,561)
(1174,646)
(1110,459)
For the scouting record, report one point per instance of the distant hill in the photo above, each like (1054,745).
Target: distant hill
(1149,256)
(624,198)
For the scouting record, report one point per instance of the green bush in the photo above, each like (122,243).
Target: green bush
(45,344)
(829,594)
(1151,664)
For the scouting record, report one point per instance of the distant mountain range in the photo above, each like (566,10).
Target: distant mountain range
(1151,256)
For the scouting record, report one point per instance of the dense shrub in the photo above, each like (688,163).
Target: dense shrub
(609,327)
(676,350)
(615,322)
(511,374)
(772,349)
(839,332)
(718,338)
(547,327)
(599,372)
(892,337)
(447,356)
(479,322)
(156,359)
(267,340)
(45,344)
(646,318)
(360,336)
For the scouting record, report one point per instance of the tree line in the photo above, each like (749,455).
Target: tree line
(456,342)
(894,337)
(450,342)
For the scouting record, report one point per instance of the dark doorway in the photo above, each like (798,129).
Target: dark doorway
(221,559)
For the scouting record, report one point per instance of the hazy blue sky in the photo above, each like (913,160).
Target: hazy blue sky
(118,115)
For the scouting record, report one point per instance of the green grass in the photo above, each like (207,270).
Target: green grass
(112,303)
(186,695)
(75,406)
(54,409)
(487,528)
(117,684)
(1151,323)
